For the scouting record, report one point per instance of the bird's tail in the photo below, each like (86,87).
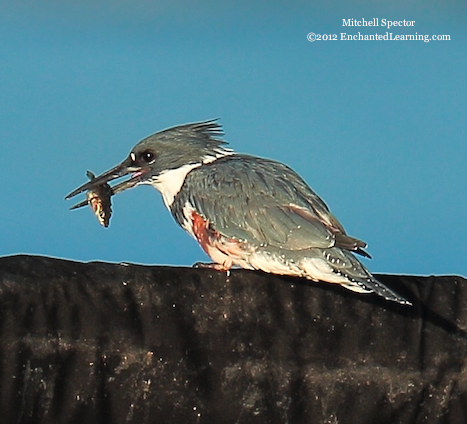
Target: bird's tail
(336,265)
(332,265)
(372,285)
(360,280)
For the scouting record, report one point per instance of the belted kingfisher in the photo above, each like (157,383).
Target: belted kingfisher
(243,210)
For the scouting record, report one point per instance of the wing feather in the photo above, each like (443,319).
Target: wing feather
(262,202)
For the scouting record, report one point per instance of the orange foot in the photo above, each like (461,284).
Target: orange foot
(217,267)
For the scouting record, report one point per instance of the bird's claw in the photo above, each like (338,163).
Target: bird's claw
(217,267)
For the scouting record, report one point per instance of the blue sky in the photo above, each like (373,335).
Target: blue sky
(377,128)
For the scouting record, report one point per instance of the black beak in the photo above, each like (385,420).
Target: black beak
(118,171)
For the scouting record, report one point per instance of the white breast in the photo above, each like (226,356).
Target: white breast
(170,182)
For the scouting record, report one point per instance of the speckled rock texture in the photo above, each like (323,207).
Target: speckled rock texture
(122,343)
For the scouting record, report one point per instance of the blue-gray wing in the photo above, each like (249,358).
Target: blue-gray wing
(262,202)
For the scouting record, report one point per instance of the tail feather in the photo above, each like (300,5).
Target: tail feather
(332,265)
(374,286)
(359,278)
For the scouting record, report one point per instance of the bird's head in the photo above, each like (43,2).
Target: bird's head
(170,149)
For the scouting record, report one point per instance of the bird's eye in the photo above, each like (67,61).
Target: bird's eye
(147,156)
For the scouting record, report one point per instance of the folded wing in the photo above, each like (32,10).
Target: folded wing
(265,203)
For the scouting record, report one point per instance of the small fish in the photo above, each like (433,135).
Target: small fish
(99,201)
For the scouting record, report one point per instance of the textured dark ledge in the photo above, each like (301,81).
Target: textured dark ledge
(106,343)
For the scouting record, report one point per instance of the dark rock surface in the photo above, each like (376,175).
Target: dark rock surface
(108,343)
